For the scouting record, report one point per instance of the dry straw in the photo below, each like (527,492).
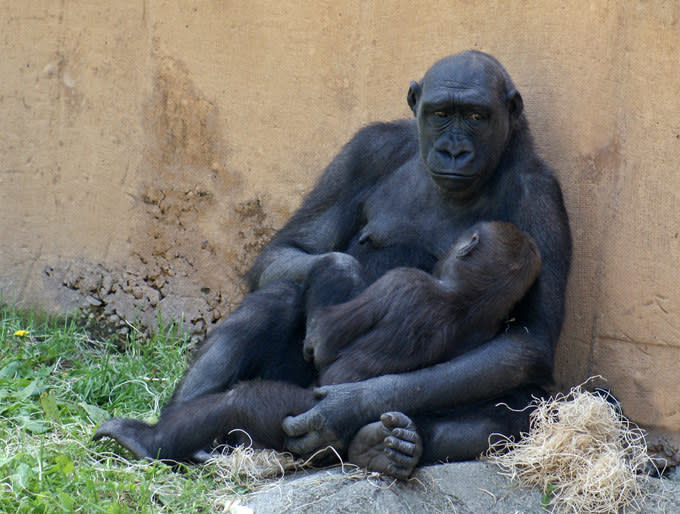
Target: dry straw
(243,464)
(581,452)
(245,469)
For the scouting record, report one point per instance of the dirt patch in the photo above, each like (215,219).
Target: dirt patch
(195,236)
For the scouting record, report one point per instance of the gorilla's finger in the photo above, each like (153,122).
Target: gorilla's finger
(402,473)
(306,444)
(296,426)
(201,457)
(321,392)
(129,433)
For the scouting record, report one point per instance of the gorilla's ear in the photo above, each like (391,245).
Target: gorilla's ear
(413,96)
(466,248)
(515,104)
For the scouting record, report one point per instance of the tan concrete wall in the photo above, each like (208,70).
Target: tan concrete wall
(147,149)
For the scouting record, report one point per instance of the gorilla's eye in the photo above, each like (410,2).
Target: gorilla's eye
(441,114)
(475,116)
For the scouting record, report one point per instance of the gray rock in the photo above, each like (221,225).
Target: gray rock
(462,487)
(674,474)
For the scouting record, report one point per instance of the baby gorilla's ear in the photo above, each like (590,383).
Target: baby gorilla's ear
(467,246)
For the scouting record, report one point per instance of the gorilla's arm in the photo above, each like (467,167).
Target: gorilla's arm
(329,217)
(486,372)
(521,355)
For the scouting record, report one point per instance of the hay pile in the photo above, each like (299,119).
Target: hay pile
(245,470)
(581,452)
(244,464)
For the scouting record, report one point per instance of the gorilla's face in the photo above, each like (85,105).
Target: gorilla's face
(464,117)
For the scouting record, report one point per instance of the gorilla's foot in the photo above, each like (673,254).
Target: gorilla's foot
(133,435)
(391,446)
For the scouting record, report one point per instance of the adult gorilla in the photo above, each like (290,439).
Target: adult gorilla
(398,194)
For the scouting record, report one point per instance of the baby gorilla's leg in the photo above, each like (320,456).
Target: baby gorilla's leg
(391,446)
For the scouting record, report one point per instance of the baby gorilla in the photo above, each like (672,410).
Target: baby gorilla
(406,320)
(410,320)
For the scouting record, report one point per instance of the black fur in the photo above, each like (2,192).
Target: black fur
(397,195)
(410,319)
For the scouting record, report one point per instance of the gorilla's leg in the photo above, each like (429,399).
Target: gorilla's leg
(396,444)
(262,338)
(463,434)
(254,407)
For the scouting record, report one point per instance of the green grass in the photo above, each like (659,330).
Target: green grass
(56,385)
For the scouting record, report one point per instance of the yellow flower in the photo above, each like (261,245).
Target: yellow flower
(21,333)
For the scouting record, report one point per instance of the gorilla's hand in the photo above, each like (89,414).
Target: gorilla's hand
(341,411)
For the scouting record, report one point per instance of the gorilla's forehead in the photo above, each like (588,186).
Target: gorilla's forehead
(452,92)
(464,73)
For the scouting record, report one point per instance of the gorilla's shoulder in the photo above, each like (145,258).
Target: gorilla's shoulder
(381,134)
(537,176)
(375,150)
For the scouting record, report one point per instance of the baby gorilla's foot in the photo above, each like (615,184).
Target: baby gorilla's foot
(134,435)
(391,446)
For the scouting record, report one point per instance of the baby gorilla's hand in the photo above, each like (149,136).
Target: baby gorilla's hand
(311,339)
(315,348)
(308,350)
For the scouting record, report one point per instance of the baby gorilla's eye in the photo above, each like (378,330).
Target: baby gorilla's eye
(475,116)
(441,114)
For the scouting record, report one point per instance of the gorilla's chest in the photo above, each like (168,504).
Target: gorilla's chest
(406,209)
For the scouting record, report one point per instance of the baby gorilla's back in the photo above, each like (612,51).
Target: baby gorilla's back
(410,320)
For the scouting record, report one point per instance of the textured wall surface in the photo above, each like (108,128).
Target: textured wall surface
(148,149)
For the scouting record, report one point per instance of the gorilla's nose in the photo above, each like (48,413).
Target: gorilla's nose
(454,153)
(462,156)
(456,158)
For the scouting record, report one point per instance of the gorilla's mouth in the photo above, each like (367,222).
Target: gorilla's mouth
(453,175)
